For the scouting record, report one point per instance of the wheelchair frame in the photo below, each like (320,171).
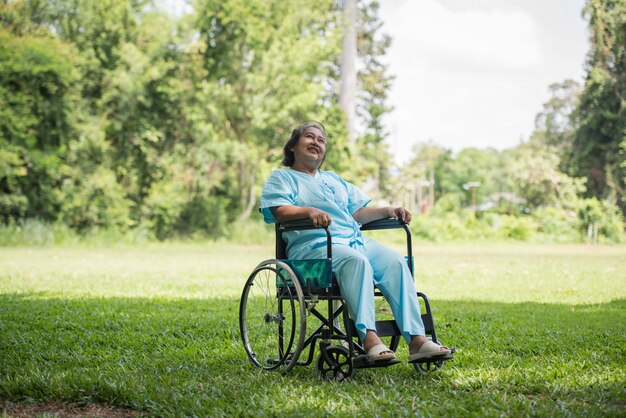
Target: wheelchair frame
(282,326)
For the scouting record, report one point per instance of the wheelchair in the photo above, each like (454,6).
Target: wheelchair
(282,318)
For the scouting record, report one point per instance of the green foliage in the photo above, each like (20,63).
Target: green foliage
(115,116)
(374,84)
(451,227)
(267,65)
(472,165)
(36,105)
(448,203)
(603,217)
(548,224)
(534,172)
(518,228)
(32,232)
(598,151)
(95,200)
(37,233)
(250,232)
(554,125)
(557,224)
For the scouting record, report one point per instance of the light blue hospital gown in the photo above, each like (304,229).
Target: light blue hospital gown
(358,262)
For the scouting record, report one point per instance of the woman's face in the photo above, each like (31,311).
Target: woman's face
(311,147)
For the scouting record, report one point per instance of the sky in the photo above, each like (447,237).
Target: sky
(474,73)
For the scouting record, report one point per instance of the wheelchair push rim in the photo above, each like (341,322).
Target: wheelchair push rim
(272,319)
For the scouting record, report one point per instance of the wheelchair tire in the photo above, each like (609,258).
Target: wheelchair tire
(272,319)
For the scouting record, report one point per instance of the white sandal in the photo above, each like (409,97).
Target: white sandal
(429,349)
(374,353)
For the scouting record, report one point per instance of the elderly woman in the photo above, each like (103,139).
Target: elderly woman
(303,191)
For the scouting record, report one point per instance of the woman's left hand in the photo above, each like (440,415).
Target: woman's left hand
(401,214)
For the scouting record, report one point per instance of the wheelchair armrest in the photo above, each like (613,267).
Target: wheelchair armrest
(302,224)
(298,224)
(388,223)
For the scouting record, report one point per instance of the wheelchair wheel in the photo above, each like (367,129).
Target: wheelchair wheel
(334,363)
(429,367)
(272,319)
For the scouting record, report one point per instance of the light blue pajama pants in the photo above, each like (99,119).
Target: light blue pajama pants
(358,268)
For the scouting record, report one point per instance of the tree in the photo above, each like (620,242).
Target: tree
(374,83)
(599,148)
(535,176)
(348,85)
(421,178)
(115,115)
(471,166)
(266,65)
(37,106)
(554,126)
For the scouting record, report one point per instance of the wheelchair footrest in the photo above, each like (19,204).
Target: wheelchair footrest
(361,362)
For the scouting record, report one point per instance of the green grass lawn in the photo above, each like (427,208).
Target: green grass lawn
(153,330)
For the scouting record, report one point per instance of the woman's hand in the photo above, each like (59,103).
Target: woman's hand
(366,215)
(400,214)
(319,217)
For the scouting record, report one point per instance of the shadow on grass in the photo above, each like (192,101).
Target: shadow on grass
(184,357)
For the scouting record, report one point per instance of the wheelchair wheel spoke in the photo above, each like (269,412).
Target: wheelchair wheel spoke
(265,283)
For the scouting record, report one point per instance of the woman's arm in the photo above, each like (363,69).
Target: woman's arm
(292,213)
(366,215)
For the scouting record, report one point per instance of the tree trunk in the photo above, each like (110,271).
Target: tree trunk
(251,203)
(347,94)
(248,206)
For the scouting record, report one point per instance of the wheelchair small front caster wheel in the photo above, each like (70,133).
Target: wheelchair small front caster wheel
(335,363)
(428,367)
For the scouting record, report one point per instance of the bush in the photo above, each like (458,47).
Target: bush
(466,226)
(517,228)
(604,217)
(33,232)
(448,203)
(557,225)
(251,232)
(451,227)
(37,233)
(204,217)
(163,207)
(96,201)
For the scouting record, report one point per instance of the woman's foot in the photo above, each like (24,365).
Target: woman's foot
(416,343)
(375,349)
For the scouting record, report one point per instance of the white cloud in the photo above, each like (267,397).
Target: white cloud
(482,39)
(469,77)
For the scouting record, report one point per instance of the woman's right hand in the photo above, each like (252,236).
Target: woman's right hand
(287,213)
(319,217)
